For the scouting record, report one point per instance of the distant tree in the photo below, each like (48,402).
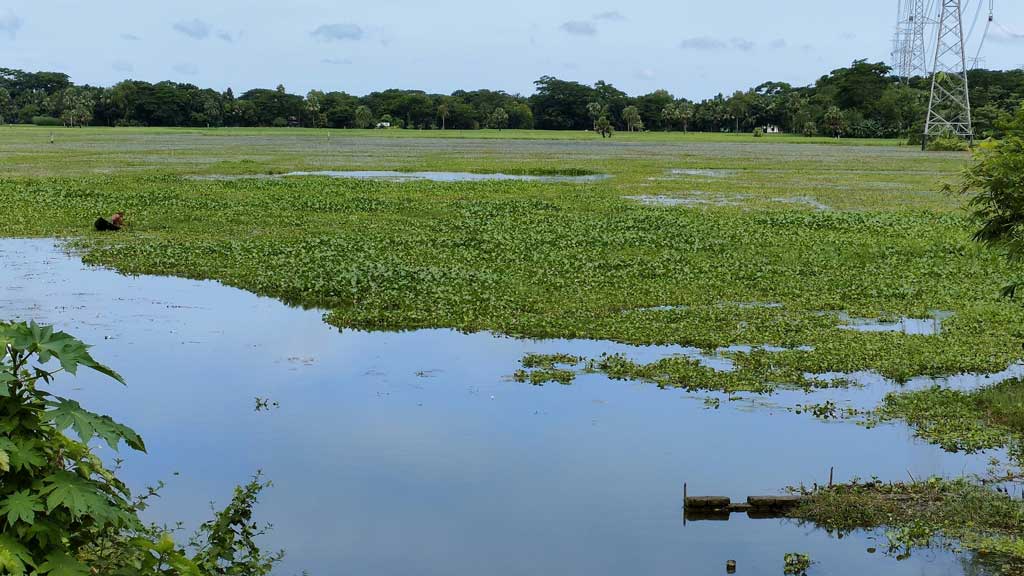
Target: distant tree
(835,122)
(738,107)
(364,117)
(631,116)
(443,112)
(77,107)
(520,116)
(314,107)
(652,106)
(561,104)
(280,89)
(809,129)
(686,112)
(860,86)
(794,104)
(604,127)
(595,110)
(670,116)
(7,109)
(499,119)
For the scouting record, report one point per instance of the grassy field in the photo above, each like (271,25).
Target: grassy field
(775,236)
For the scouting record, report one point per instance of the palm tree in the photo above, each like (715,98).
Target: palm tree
(443,111)
(632,117)
(595,111)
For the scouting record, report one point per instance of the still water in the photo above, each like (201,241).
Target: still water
(415,453)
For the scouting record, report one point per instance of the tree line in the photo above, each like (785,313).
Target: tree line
(861,100)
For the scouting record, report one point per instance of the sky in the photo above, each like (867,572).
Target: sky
(692,48)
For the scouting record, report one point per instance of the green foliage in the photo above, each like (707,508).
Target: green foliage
(834,122)
(874,104)
(540,369)
(557,259)
(953,419)
(47,121)
(982,419)
(948,143)
(810,129)
(796,564)
(995,186)
(758,132)
(363,117)
(498,119)
(56,496)
(923,514)
(631,116)
(62,512)
(227,544)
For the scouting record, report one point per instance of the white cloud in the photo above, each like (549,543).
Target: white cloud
(330,32)
(579,28)
(703,43)
(195,28)
(9,23)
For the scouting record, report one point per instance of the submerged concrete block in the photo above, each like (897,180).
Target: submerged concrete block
(707,502)
(774,502)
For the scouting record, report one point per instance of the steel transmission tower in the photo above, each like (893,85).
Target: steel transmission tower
(909,52)
(949,109)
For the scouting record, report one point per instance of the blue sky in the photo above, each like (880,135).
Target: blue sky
(691,48)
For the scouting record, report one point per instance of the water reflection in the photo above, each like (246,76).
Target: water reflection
(380,469)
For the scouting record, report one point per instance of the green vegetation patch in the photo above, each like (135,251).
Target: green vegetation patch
(539,369)
(551,260)
(991,417)
(935,512)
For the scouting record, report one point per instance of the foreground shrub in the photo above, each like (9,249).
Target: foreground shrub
(62,511)
(948,143)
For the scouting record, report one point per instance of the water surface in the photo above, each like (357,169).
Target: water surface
(415,453)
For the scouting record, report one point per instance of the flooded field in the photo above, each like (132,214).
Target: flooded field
(415,452)
(447,176)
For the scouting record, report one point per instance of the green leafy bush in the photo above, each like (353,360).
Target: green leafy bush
(948,143)
(996,185)
(62,511)
(46,121)
(758,132)
(810,129)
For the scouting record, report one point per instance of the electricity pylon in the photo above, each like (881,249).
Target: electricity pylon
(949,108)
(909,51)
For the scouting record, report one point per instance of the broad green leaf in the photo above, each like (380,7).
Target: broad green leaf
(5,461)
(79,496)
(70,414)
(14,557)
(165,544)
(61,564)
(47,344)
(182,565)
(23,454)
(21,505)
